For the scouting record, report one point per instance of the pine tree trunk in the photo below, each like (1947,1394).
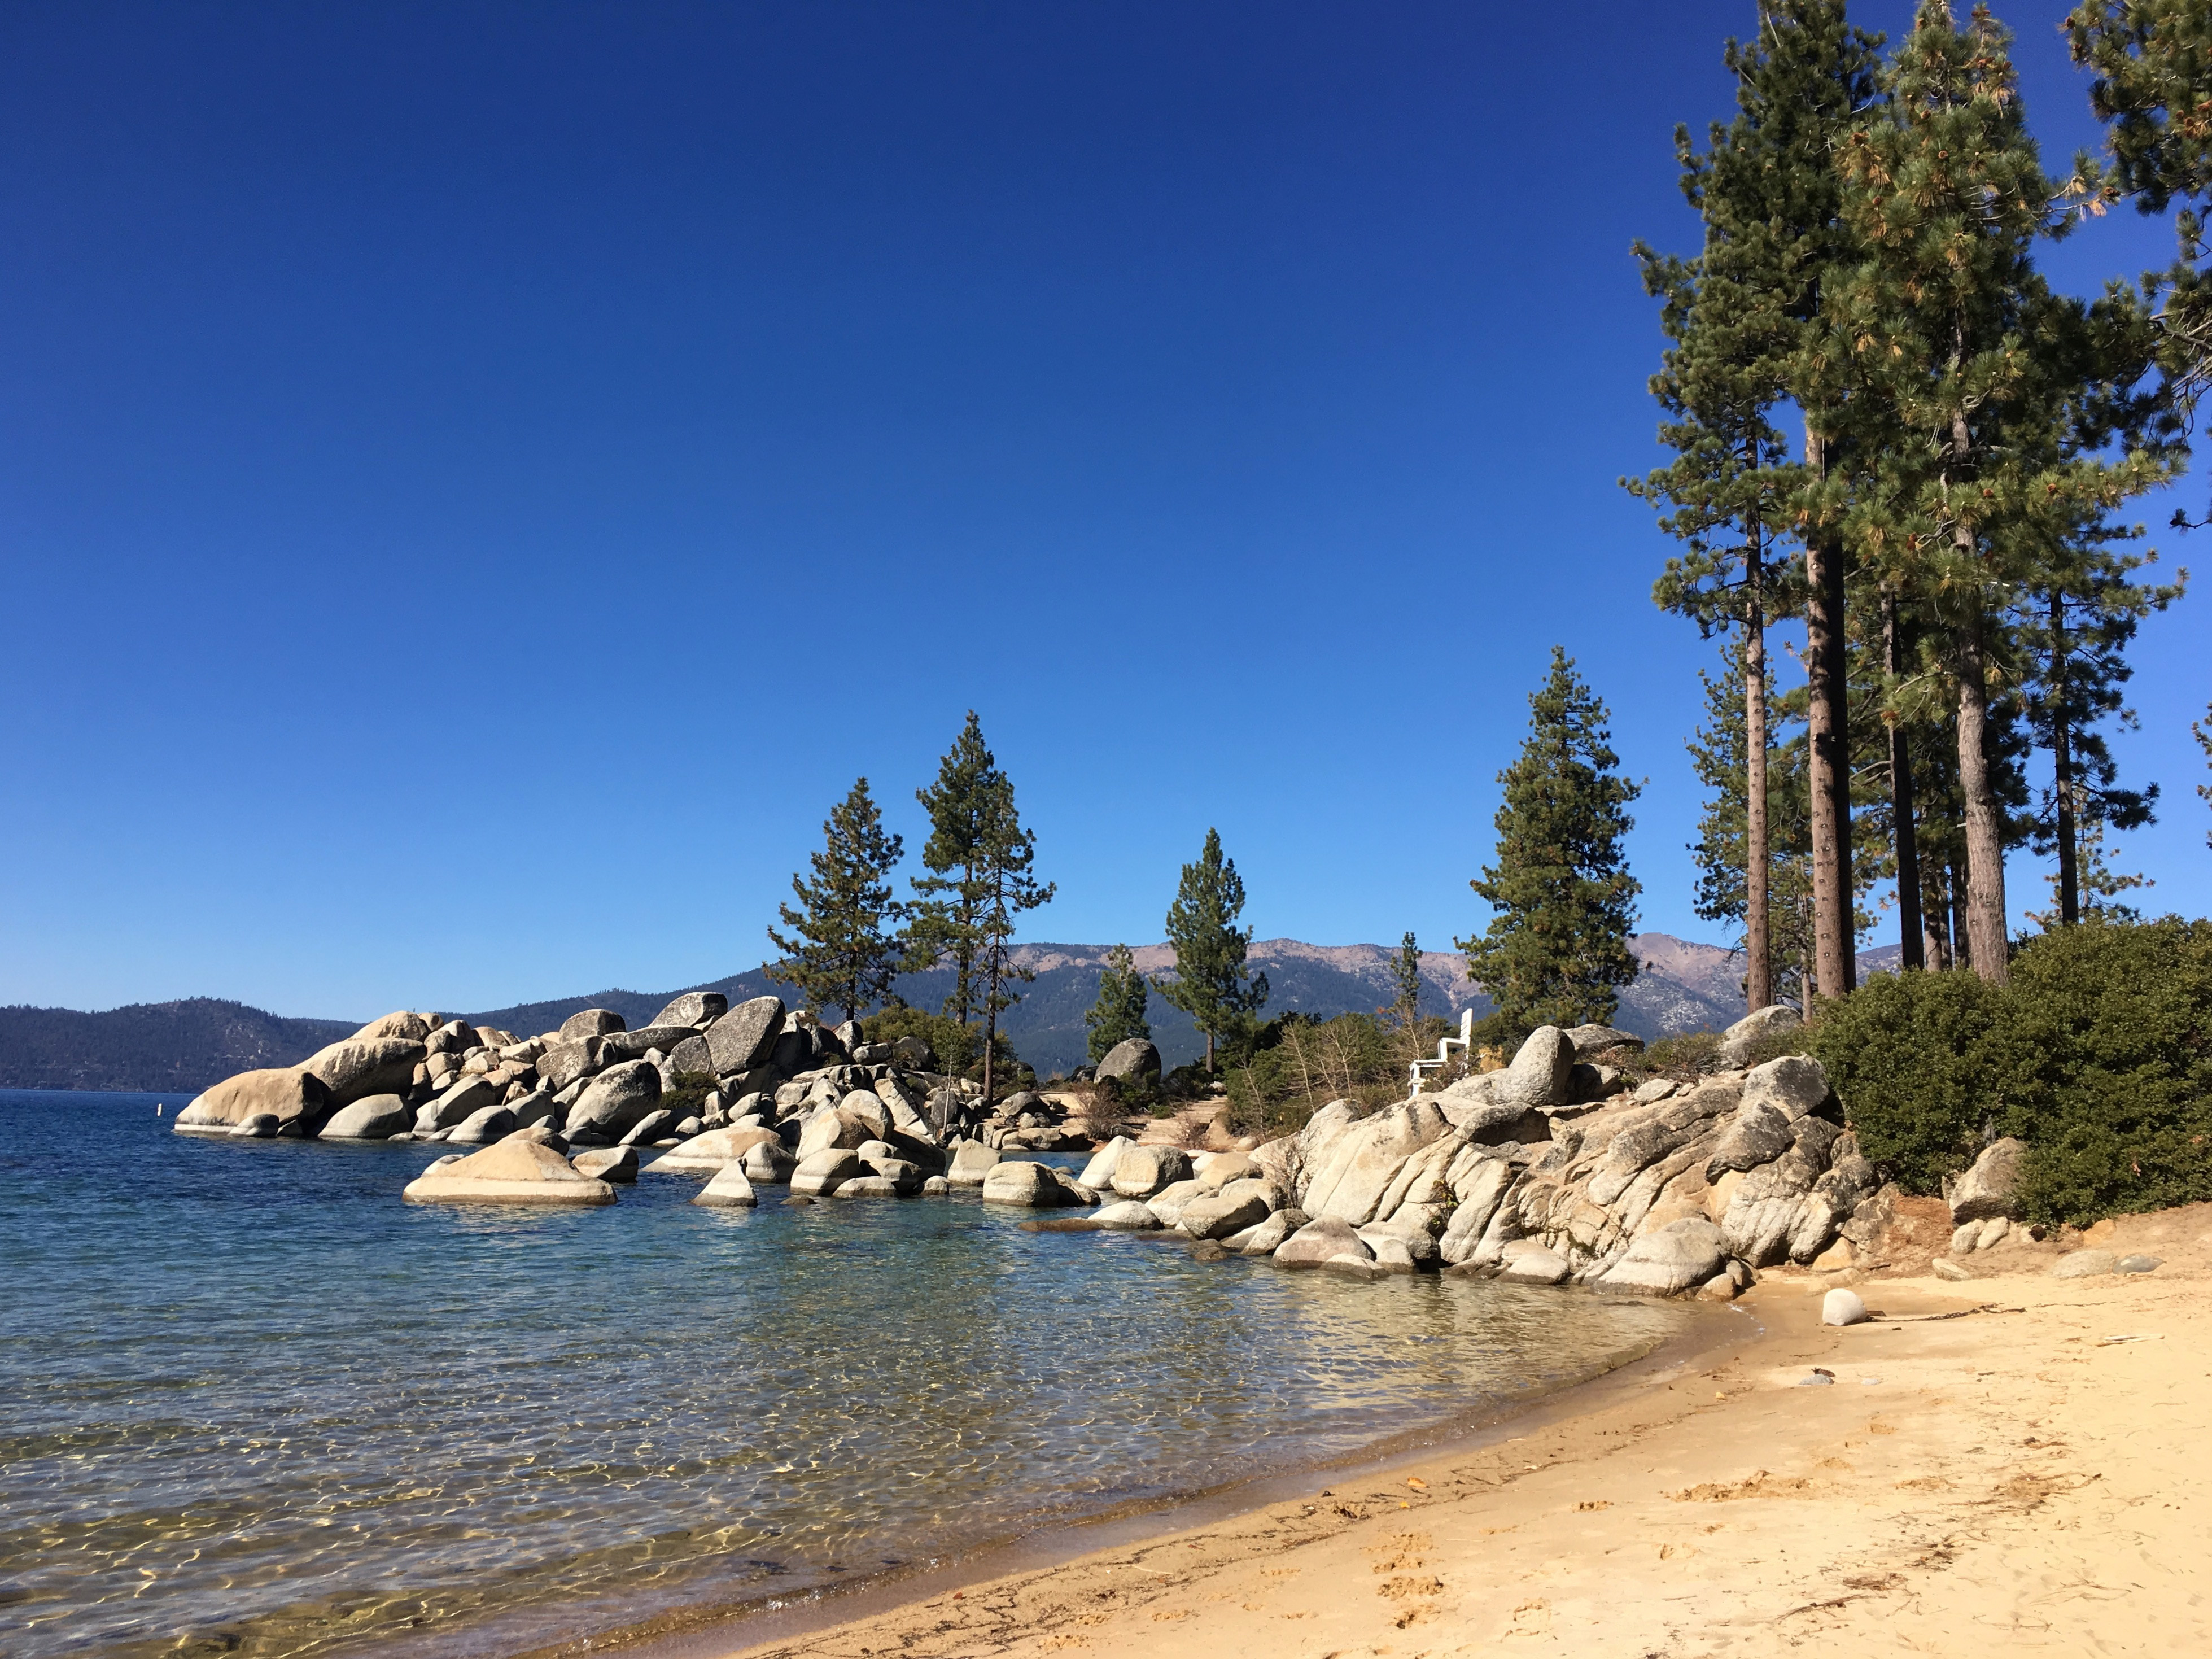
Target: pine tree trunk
(1209,1053)
(1962,940)
(1985,894)
(1827,727)
(2062,770)
(1911,951)
(990,1020)
(1759,978)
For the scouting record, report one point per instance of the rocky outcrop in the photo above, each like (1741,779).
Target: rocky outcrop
(375,1117)
(360,1066)
(1774,1020)
(290,1094)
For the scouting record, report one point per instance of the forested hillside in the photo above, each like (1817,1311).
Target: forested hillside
(153,1046)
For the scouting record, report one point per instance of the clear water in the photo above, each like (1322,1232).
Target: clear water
(256,1404)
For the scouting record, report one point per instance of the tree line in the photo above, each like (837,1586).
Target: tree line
(1944,518)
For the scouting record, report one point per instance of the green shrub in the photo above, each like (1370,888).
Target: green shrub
(1683,1057)
(1902,1051)
(959,1049)
(2098,1054)
(2107,1060)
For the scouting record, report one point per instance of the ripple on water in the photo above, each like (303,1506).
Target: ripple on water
(271,1409)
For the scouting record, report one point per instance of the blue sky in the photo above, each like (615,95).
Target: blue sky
(477,482)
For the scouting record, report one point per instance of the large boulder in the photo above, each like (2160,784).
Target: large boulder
(745,1036)
(377,1117)
(592,1022)
(1759,1134)
(1323,1240)
(563,1063)
(512,1172)
(690,1054)
(355,1069)
(1141,1171)
(289,1094)
(616,1101)
(692,1008)
(471,1093)
(768,1162)
(405,1024)
(1359,1166)
(1794,1085)
(830,1128)
(1773,1020)
(1992,1186)
(483,1127)
(617,1165)
(729,1189)
(633,1045)
(1679,1256)
(1133,1057)
(1099,1171)
(1038,1186)
(1591,1040)
(657,1124)
(1541,1070)
(711,1152)
(971,1163)
(1129,1216)
(821,1173)
(1240,1205)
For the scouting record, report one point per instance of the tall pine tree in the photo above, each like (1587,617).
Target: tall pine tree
(841,955)
(1741,315)
(1124,999)
(1211,983)
(1003,860)
(1556,951)
(951,901)
(1973,376)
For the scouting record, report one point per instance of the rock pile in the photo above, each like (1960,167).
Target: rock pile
(785,1091)
(1549,1171)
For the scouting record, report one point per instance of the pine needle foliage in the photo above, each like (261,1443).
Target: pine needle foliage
(840,955)
(1211,983)
(1556,951)
(949,902)
(1124,999)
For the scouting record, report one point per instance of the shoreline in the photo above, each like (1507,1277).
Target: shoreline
(1994,1459)
(767,1624)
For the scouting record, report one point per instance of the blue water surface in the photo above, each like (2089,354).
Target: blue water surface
(256,1404)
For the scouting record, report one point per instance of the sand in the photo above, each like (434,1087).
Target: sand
(2025,1477)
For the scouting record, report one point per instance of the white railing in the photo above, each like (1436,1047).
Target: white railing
(1464,1043)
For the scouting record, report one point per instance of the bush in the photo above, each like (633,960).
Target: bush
(2098,1054)
(1904,1051)
(2107,1058)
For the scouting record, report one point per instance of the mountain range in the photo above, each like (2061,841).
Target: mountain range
(185,1046)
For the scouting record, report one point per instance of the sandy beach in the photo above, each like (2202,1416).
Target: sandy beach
(2013,1461)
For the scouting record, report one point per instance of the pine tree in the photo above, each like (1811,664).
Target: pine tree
(1124,999)
(1720,756)
(1003,857)
(2076,619)
(1212,984)
(1741,315)
(1556,951)
(2203,731)
(951,901)
(2152,59)
(1973,378)
(1405,974)
(841,956)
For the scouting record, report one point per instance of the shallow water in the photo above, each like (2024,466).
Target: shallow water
(256,1404)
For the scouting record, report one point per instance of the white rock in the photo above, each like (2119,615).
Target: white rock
(1842,1307)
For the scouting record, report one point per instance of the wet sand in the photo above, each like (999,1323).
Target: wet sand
(2010,1475)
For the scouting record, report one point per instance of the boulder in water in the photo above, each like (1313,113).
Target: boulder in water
(512,1172)
(287,1093)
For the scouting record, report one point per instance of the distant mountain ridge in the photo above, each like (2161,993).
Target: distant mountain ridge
(186,1046)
